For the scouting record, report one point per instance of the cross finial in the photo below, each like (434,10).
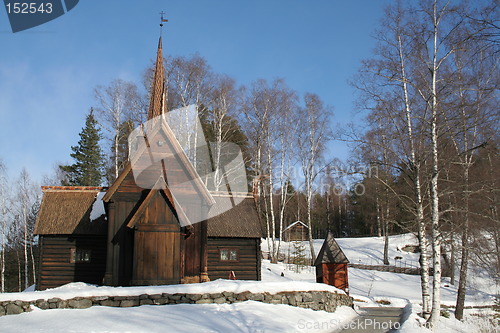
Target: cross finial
(162,19)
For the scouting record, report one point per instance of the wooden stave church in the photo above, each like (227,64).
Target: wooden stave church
(138,240)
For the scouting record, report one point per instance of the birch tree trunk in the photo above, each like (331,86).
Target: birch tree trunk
(436,234)
(3,224)
(311,139)
(25,243)
(415,170)
(33,267)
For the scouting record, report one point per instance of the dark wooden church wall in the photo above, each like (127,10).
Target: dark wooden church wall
(123,240)
(247,266)
(56,268)
(192,250)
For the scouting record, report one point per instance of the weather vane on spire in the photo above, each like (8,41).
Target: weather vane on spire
(162,20)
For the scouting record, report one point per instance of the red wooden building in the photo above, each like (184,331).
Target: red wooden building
(331,264)
(143,236)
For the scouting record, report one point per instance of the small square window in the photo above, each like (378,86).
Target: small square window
(228,254)
(233,255)
(80,255)
(224,255)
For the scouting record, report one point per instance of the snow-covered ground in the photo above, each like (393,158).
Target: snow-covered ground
(247,316)
(363,250)
(368,283)
(369,288)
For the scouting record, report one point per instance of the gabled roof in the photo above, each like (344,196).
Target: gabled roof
(241,220)
(159,187)
(156,123)
(296,223)
(330,252)
(173,143)
(66,210)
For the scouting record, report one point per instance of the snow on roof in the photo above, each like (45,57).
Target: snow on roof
(80,289)
(295,223)
(65,210)
(98,207)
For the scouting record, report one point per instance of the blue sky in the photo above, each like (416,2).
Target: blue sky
(48,73)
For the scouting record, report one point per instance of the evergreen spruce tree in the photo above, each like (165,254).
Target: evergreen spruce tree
(88,166)
(298,259)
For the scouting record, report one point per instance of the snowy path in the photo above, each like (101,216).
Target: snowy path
(375,320)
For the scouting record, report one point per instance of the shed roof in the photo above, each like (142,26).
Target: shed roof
(241,220)
(330,252)
(66,210)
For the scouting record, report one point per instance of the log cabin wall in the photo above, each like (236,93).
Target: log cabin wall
(245,267)
(58,265)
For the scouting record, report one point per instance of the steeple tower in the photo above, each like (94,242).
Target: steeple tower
(157,99)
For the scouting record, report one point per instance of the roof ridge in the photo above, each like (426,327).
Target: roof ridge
(74,188)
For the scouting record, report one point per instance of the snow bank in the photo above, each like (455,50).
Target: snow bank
(80,289)
(248,316)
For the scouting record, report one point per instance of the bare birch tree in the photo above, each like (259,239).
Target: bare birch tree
(313,134)
(267,108)
(3,222)
(222,110)
(26,194)
(475,79)
(118,103)
(407,86)
(189,81)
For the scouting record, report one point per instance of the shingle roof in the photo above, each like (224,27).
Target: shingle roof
(330,252)
(241,220)
(156,102)
(65,210)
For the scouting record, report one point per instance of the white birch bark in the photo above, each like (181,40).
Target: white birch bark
(3,224)
(434,194)
(415,169)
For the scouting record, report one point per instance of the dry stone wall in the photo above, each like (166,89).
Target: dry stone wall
(316,300)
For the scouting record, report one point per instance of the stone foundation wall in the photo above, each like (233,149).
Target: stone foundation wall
(316,300)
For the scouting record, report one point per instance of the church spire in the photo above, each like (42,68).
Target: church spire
(157,99)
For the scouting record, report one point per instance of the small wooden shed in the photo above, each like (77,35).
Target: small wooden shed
(331,264)
(297,231)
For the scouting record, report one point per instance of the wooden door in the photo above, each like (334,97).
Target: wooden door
(157,244)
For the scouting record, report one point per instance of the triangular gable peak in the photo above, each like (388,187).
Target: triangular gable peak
(330,252)
(160,187)
(296,223)
(159,142)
